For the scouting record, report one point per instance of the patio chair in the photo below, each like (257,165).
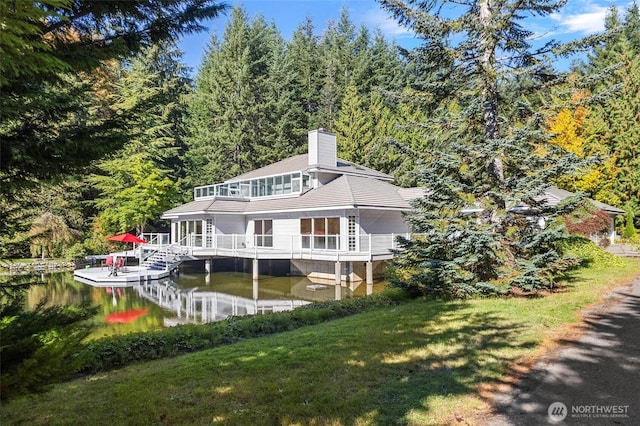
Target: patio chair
(119,265)
(109,264)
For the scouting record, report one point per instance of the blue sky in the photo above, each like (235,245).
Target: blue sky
(578,18)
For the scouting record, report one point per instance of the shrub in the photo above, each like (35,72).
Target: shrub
(590,254)
(592,223)
(629,230)
(76,251)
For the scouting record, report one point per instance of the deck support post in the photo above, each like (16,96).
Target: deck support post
(255,289)
(207,266)
(369,268)
(338,292)
(338,273)
(255,269)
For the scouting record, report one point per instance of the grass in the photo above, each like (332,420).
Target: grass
(418,363)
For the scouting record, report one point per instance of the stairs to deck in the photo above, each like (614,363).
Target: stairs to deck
(164,260)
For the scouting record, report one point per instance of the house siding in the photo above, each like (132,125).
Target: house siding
(229,224)
(382,222)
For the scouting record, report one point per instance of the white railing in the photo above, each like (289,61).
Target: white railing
(156,238)
(294,245)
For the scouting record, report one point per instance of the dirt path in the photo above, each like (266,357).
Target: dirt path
(594,380)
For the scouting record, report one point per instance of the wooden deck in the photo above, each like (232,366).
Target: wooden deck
(129,275)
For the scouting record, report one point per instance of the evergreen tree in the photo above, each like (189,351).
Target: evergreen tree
(55,116)
(615,122)
(629,228)
(345,61)
(388,70)
(381,154)
(304,54)
(229,114)
(410,144)
(140,181)
(286,134)
(489,165)
(43,45)
(152,94)
(353,129)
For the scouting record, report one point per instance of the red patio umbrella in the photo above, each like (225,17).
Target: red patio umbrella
(126,238)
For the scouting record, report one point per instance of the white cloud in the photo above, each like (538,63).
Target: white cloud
(389,26)
(588,22)
(585,17)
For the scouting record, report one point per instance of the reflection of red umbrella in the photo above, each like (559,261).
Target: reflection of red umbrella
(125,317)
(126,238)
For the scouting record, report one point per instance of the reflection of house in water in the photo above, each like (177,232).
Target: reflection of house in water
(194,305)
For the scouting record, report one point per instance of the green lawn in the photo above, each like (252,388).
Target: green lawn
(421,362)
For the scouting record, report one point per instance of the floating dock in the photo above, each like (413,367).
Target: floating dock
(102,276)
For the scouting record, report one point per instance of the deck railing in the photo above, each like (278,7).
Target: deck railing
(294,245)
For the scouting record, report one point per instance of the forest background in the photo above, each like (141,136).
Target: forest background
(108,149)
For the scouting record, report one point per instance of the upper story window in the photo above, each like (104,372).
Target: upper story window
(269,186)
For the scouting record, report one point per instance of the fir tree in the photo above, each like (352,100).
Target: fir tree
(229,113)
(614,123)
(345,62)
(286,132)
(304,54)
(490,166)
(44,46)
(140,181)
(353,129)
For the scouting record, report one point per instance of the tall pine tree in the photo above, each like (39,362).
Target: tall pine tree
(615,123)
(304,54)
(490,166)
(140,181)
(230,114)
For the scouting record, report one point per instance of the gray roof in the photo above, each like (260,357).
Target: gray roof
(301,162)
(201,206)
(411,193)
(291,164)
(343,192)
(555,195)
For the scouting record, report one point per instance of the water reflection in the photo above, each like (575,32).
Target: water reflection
(195,297)
(198,305)
(223,294)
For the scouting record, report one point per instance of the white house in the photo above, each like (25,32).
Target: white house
(331,218)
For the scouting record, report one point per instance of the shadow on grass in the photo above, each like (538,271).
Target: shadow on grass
(407,364)
(387,373)
(598,369)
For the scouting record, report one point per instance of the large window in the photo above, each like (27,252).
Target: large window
(288,183)
(264,232)
(190,233)
(320,232)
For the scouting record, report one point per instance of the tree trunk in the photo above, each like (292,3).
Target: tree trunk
(490,89)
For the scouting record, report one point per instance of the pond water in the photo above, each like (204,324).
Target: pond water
(190,297)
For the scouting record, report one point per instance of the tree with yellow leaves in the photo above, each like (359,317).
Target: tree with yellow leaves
(568,129)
